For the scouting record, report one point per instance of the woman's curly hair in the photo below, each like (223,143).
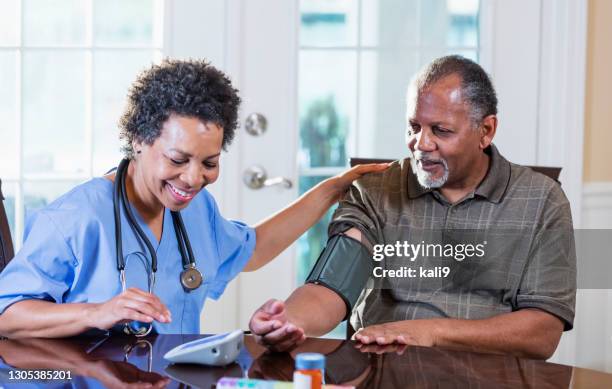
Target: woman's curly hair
(192,88)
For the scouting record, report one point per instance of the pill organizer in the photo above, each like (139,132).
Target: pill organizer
(248,383)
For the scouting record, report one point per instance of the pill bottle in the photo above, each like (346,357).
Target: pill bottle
(309,371)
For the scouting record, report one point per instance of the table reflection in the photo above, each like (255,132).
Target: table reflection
(110,362)
(419,367)
(121,361)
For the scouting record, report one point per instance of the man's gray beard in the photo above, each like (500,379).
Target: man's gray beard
(424,177)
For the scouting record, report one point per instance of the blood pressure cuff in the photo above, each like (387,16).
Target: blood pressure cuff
(344,266)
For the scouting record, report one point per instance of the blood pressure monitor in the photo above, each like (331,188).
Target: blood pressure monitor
(216,350)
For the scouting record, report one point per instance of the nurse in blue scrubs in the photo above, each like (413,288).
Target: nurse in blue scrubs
(65,280)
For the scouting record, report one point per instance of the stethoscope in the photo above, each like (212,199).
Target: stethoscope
(190,278)
(142,344)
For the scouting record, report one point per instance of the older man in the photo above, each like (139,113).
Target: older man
(517,297)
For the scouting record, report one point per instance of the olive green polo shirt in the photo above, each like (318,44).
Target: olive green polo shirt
(519,219)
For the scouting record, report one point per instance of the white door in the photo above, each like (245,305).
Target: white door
(265,48)
(255,43)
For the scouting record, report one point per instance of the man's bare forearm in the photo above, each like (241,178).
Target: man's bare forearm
(44,319)
(315,308)
(527,333)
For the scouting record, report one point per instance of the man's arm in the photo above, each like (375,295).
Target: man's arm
(314,310)
(529,333)
(311,310)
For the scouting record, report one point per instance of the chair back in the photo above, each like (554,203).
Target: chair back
(6,242)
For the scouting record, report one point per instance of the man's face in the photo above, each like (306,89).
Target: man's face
(441,135)
(182,161)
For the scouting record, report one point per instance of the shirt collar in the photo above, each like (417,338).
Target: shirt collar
(495,183)
(492,187)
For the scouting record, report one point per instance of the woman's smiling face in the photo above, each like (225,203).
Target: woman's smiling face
(180,162)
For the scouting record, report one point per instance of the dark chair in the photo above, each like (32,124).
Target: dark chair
(6,242)
(552,172)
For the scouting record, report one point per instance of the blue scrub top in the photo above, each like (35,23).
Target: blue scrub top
(68,255)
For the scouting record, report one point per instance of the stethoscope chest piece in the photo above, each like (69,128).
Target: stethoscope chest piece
(191,278)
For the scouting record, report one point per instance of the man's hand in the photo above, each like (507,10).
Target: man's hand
(273,329)
(374,348)
(406,332)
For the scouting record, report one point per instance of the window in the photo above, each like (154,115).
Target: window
(65,67)
(356,58)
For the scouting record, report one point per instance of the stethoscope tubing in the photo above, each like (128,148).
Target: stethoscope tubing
(131,219)
(187,257)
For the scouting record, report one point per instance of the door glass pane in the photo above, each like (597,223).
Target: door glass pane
(313,241)
(327,106)
(328,22)
(126,23)
(54,112)
(8,114)
(449,23)
(384,76)
(114,72)
(54,22)
(9,22)
(387,23)
(463,26)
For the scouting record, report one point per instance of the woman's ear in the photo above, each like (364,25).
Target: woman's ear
(137,147)
(487,131)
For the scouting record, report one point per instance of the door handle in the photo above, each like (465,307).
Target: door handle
(256,177)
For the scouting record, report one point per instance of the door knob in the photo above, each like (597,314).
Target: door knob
(256,124)
(256,177)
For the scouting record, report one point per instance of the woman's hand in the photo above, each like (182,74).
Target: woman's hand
(341,182)
(34,318)
(131,305)
(277,232)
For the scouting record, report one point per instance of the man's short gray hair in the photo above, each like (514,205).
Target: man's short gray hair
(477,88)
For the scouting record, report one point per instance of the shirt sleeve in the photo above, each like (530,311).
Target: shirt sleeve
(43,268)
(549,279)
(357,210)
(235,244)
